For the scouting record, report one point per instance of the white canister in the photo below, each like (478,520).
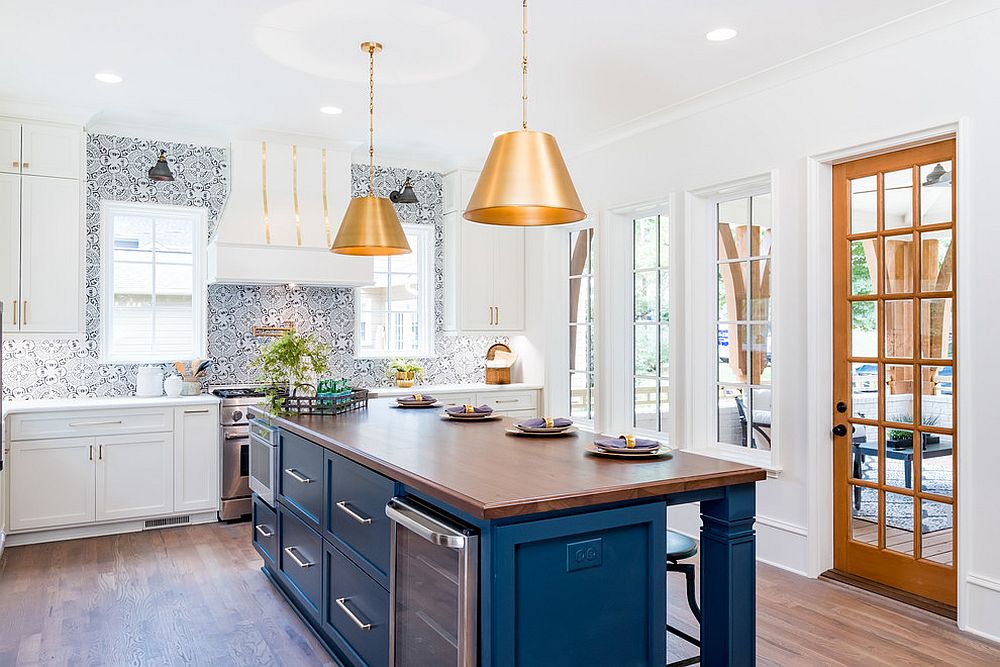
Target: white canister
(149,382)
(173,385)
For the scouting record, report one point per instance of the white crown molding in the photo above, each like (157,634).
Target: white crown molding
(907,27)
(36,111)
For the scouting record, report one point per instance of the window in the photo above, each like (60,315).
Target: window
(395,315)
(651,323)
(153,299)
(581,324)
(743,322)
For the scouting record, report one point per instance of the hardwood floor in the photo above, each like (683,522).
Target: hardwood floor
(195,595)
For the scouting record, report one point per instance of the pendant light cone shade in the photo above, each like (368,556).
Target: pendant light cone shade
(370,227)
(525,183)
(160,171)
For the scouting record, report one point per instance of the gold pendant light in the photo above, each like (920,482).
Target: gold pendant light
(525,181)
(370,225)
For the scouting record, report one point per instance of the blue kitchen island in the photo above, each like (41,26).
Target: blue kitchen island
(404,538)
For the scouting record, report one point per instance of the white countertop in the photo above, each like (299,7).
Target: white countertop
(46,404)
(376,392)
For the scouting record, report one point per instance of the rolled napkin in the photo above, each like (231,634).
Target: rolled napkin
(469,410)
(546,422)
(416,398)
(625,442)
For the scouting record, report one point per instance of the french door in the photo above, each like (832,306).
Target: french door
(895,433)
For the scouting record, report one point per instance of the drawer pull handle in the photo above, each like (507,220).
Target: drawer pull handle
(264,530)
(196,412)
(103,423)
(507,400)
(346,509)
(293,554)
(297,476)
(342,603)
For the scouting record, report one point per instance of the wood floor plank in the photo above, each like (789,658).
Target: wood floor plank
(196,596)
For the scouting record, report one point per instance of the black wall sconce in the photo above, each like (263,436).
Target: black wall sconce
(161,170)
(404,196)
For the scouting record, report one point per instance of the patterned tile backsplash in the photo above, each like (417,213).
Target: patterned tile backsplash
(116,171)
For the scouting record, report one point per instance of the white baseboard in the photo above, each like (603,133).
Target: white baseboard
(103,529)
(982,602)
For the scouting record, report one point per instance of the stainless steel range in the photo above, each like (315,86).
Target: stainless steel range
(235,426)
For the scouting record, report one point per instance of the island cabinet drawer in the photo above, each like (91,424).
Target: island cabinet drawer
(300,475)
(300,559)
(355,610)
(355,513)
(265,531)
(77,423)
(507,400)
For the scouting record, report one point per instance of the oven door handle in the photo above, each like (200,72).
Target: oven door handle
(236,436)
(424,525)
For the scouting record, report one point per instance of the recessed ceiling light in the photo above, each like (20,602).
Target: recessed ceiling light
(108,77)
(720,34)
(331,111)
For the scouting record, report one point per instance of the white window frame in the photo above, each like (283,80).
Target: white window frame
(425,310)
(568,231)
(702,235)
(199,293)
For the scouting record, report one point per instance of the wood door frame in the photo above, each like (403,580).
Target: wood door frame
(819,311)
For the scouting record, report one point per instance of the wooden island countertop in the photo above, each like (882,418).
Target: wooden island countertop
(478,468)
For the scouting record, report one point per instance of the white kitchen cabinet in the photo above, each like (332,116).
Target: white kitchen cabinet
(483,266)
(10,249)
(135,476)
(51,258)
(196,458)
(51,150)
(51,483)
(10,146)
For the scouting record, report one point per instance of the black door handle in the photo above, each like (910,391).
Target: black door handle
(840,430)
(841,407)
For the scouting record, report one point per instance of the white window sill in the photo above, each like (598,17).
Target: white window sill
(394,355)
(752,457)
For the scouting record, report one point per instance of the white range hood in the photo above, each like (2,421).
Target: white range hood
(275,227)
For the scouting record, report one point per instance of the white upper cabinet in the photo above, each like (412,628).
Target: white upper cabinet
(51,150)
(483,266)
(41,227)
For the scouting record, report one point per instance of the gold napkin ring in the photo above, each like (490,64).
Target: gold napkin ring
(629,441)
(470,408)
(549,423)
(418,397)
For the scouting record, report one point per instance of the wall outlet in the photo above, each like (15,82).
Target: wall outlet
(581,555)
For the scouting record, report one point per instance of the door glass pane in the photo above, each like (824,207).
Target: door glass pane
(936,531)
(645,295)
(897,257)
(935,193)
(734,278)
(732,416)
(760,417)
(899,329)
(899,458)
(937,262)
(760,233)
(732,352)
(645,353)
(936,329)
(899,523)
(645,404)
(864,204)
(760,290)
(899,393)
(579,304)
(864,452)
(646,243)
(864,267)
(864,515)
(760,354)
(734,222)
(898,199)
(936,451)
(864,394)
(936,384)
(864,329)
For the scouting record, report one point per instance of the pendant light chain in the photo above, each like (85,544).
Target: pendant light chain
(524,65)
(371,120)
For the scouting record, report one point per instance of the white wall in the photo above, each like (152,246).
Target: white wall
(941,76)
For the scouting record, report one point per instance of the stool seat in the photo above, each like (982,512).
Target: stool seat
(680,546)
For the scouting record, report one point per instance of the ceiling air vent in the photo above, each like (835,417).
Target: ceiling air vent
(168,521)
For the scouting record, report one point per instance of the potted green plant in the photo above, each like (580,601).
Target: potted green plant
(898,438)
(293,360)
(405,372)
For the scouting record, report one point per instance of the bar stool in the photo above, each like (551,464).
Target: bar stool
(681,547)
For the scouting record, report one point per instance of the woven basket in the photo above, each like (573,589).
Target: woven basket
(497,375)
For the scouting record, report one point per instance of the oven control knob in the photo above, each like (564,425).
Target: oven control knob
(237,415)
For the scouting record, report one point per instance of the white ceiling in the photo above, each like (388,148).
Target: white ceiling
(448,78)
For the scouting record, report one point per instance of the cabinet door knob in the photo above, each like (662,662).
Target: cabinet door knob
(25,165)
(15,164)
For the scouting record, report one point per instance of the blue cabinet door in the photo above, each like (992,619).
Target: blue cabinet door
(300,560)
(300,477)
(355,610)
(265,531)
(585,589)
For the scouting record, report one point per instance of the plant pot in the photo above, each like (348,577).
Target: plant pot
(405,379)
(900,444)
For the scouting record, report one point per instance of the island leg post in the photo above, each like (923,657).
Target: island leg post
(728,578)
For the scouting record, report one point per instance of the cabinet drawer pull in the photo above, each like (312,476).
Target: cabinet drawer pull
(15,164)
(101,423)
(25,165)
(196,412)
(293,554)
(15,312)
(24,312)
(507,400)
(297,476)
(91,456)
(342,603)
(263,530)
(346,509)
(498,315)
